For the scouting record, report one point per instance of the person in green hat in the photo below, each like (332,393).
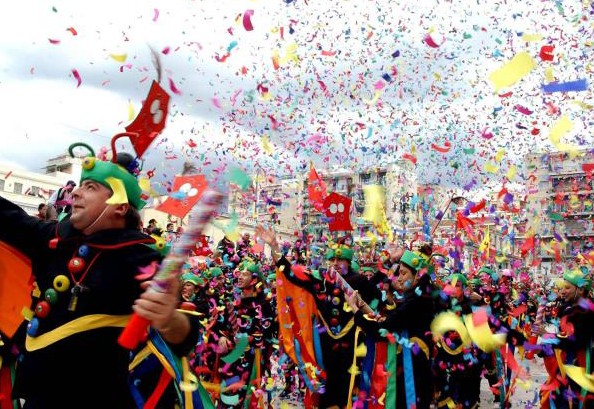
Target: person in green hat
(85,267)
(576,337)
(457,368)
(409,320)
(340,335)
(577,285)
(193,293)
(252,324)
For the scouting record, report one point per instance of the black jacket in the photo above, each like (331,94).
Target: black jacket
(89,368)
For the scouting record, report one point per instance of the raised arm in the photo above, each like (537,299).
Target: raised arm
(269,237)
(26,233)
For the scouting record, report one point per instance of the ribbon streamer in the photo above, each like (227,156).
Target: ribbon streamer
(577,85)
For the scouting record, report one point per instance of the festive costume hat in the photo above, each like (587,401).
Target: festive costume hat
(115,177)
(215,271)
(413,260)
(160,245)
(458,278)
(120,173)
(252,267)
(191,278)
(340,251)
(488,270)
(579,277)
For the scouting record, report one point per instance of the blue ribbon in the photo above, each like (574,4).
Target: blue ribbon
(577,85)
(317,344)
(409,376)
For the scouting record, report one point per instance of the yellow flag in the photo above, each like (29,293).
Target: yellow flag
(374,203)
(486,243)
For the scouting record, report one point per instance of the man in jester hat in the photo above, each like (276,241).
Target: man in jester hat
(86,269)
(404,332)
(252,329)
(338,334)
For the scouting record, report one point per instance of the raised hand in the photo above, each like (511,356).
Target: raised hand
(266,234)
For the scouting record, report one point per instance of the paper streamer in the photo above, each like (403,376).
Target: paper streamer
(558,130)
(577,85)
(450,321)
(513,71)
(119,57)
(247,20)
(481,334)
(242,343)
(240,178)
(579,375)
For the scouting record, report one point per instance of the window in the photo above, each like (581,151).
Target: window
(1,184)
(381,178)
(365,178)
(18,188)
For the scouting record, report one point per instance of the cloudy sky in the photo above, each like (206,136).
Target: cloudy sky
(274,84)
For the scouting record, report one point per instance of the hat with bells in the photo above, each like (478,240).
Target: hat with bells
(413,260)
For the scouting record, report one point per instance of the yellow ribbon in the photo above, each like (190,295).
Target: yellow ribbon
(86,323)
(345,330)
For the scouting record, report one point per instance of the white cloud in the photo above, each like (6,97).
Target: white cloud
(432,95)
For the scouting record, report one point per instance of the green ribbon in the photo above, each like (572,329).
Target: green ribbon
(242,343)
(391,369)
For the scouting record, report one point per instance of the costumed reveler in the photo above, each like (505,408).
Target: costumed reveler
(406,345)
(337,335)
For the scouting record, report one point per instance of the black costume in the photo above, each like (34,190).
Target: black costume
(337,332)
(410,321)
(97,294)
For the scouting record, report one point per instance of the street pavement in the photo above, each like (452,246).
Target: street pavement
(524,396)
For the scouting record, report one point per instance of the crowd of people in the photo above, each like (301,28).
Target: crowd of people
(406,331)
(330,325)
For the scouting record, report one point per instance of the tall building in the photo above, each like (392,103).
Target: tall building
(399,182)
(271,201)
(560,207)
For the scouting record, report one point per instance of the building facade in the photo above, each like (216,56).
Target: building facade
(561,208)
(28,189)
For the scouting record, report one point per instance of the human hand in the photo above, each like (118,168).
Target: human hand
(266,234)
(352,300)
(159,307)
(224,345)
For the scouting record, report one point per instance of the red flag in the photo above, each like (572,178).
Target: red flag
(338,209)
(316,188)
(150,120)
(186,192)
